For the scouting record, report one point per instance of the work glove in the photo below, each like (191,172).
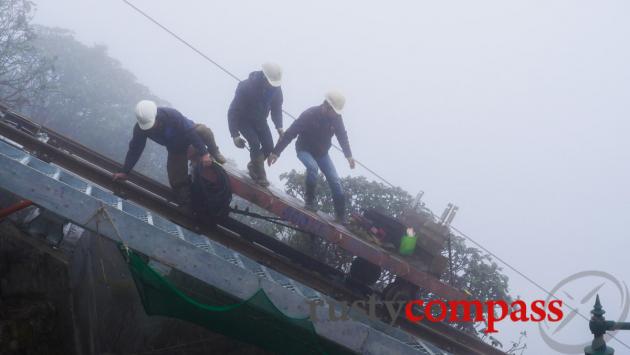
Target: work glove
(239,142)
(351,162)
(272,159)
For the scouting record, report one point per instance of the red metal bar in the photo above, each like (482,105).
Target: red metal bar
(5,212)
(291,210)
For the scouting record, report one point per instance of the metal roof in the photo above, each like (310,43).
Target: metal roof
(99,210)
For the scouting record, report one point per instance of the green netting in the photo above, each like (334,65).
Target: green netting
(256,321)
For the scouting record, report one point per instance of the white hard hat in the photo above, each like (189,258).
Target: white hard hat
(273,73)
(336,100)
(146,111)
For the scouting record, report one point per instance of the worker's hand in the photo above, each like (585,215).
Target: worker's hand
(280,132)
(272,159)
(119,177)
(206,160)
(239,142)
(351,162)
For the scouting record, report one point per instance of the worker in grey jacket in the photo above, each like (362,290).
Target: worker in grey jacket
(255,98)
(314,130)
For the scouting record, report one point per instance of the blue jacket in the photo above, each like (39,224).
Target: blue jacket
(253,101)
(314,130)
(172,130)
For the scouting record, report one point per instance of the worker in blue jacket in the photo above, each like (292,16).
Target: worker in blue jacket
(168,127)
(314,130)
(255,98)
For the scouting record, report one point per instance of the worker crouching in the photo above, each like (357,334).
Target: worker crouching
(255,98)
(314,130)
(168,127)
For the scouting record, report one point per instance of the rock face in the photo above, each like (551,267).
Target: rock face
(81,299)
(35,315)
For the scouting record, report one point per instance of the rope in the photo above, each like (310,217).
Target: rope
(103,211)
(271,219)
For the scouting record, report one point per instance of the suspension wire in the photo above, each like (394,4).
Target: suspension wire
(181,39)
(235,77)
(501,260)
(543,289)
(222,68)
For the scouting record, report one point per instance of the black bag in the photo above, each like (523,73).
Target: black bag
(210,197)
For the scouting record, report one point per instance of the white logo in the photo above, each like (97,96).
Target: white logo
(578,293)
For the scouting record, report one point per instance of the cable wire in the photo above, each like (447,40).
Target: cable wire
(181,39)
(549,293)
(235,77)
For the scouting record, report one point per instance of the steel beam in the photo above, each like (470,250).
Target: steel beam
(272,200)
(108,221)
(440,334)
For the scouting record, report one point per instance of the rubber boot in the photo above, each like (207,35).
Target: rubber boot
(216,153)
(253,172)
(182,195)
(218,157)
(259,165)
(309,198)
(340,211)
(208,138)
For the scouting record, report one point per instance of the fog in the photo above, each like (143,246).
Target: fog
(517,112)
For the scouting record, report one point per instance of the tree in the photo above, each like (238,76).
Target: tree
(477,273)
(93,100)
(77,90)
(473,270)
(363,194)
(24,71)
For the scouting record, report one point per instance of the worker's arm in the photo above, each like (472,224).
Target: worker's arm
(276,109)
(342,137)
(236,110)
(136,147)
(296,128)
(195,140)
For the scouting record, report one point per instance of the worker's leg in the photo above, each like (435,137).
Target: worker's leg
(339,198)
(265,138)
(256,165)
(266,146)
(208,138)
(250,134)
(177,169)
(311,178)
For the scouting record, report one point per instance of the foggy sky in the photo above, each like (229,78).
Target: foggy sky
(515,111)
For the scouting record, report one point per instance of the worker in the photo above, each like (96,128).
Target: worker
(314,129)
(255,98)
(168,127)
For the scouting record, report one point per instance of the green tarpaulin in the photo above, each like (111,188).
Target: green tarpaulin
(256,321)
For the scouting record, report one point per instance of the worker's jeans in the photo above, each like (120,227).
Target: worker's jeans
(258,136)
(177,165)
(328,168)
